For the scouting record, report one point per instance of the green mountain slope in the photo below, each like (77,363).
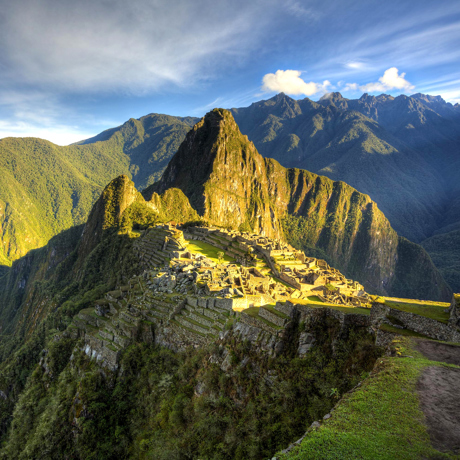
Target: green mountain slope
(230,184)
(149,142)
(85,258)
(46,188)
(444,250)
(55,399)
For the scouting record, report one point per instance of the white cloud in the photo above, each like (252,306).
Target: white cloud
(37,114)
(451,96)
(289,82)
(351,87)
(390,80)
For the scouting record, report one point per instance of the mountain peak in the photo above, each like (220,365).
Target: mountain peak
(222,175)
(332,96)
(106,213)
(428,98)
(336,99)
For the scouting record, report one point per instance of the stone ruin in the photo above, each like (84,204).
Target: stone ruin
(307,276)
(189,299)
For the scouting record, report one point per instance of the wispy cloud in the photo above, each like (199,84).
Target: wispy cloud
(39,114)
(113,45)
(356,65)
(58,134)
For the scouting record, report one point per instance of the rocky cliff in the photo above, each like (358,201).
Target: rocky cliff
(230,184)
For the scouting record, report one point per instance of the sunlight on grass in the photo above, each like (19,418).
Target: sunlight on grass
(200,247)
(427,308)
(343,308)
(379,421)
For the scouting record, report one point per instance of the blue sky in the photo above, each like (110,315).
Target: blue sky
(70,69)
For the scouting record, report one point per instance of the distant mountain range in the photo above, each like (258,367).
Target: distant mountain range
(404,152)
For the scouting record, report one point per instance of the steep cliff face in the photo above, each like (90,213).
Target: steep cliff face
(398,151)
(230,184)
(223,176)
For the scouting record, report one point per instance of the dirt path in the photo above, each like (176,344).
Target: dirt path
(438,389)
(437,351)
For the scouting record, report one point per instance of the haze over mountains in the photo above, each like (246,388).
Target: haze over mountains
(401,151)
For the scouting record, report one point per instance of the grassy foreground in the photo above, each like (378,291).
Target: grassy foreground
(381,420)
(429,309)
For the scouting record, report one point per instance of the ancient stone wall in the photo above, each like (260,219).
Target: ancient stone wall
(255,322)
(422,325)
(272,317)
(454,312)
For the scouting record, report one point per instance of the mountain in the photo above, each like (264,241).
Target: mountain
(85,258)
(245,393)
(149,142)
(402,152)
(217,175)
(444,250)
(231,185)
(46,188)
(397,150)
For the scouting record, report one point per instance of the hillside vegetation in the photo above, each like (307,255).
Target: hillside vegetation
(228,400)
(46,188)
(402,151)
(444,250)
(397,150)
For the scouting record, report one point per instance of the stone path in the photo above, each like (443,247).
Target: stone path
(438,389)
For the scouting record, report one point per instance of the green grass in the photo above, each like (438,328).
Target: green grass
(379,421)
(427,308)
(206,249)
(314,298)
(343,308)
(252,311)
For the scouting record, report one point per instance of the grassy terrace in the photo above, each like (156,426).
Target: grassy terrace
(381,420)
(273,310)
(312,302)
(200,247)
(254,313)
(427,308)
